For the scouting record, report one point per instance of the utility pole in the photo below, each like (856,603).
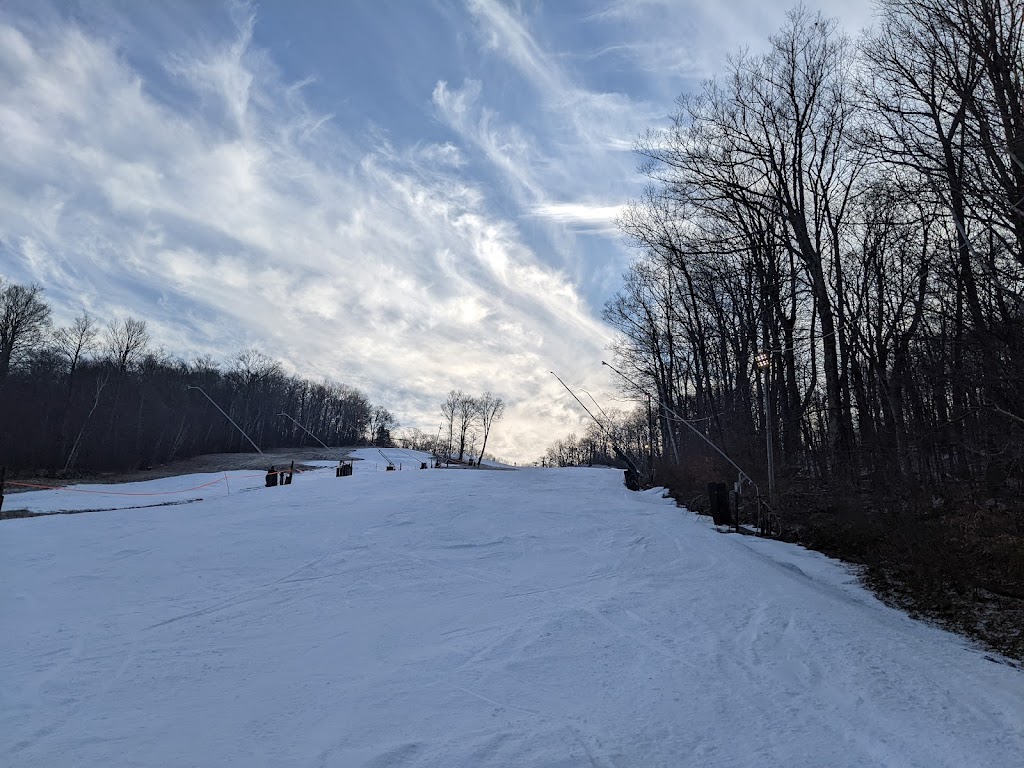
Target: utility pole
(671,434)
(763,362)
(650,437)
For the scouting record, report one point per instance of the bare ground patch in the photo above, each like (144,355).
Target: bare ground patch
(210,462)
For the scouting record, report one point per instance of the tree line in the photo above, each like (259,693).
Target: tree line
(88,396)
(830,261)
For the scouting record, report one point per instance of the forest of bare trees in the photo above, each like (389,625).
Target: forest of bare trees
(831,250)
(88,396)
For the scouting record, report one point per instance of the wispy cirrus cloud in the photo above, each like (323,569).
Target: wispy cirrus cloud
(564,154)
(680,42)
(237,215)
(505,144)
(598,218)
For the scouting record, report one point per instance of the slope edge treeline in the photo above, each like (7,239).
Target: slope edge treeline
(851,213)
(89,397)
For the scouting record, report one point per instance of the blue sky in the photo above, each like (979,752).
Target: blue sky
(406,196)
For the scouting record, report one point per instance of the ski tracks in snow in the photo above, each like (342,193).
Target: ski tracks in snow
(465,619)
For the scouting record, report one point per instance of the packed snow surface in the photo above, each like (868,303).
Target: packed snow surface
(464,618)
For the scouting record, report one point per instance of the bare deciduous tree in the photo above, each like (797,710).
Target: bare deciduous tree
(24,320)
(449,409)
(382,422)
(490,409)
(75,341)
(461,412)
(125,342)
(101,383)
(466,414)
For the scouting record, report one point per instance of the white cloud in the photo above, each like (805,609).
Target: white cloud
(241,218)
(504,144)
(600,120)
(582,215)
(681,42)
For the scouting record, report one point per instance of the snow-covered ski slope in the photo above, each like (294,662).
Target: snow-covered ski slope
(460,618)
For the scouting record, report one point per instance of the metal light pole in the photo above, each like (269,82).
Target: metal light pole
(325,445)
(192,386)
(650,438)
(763,362)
